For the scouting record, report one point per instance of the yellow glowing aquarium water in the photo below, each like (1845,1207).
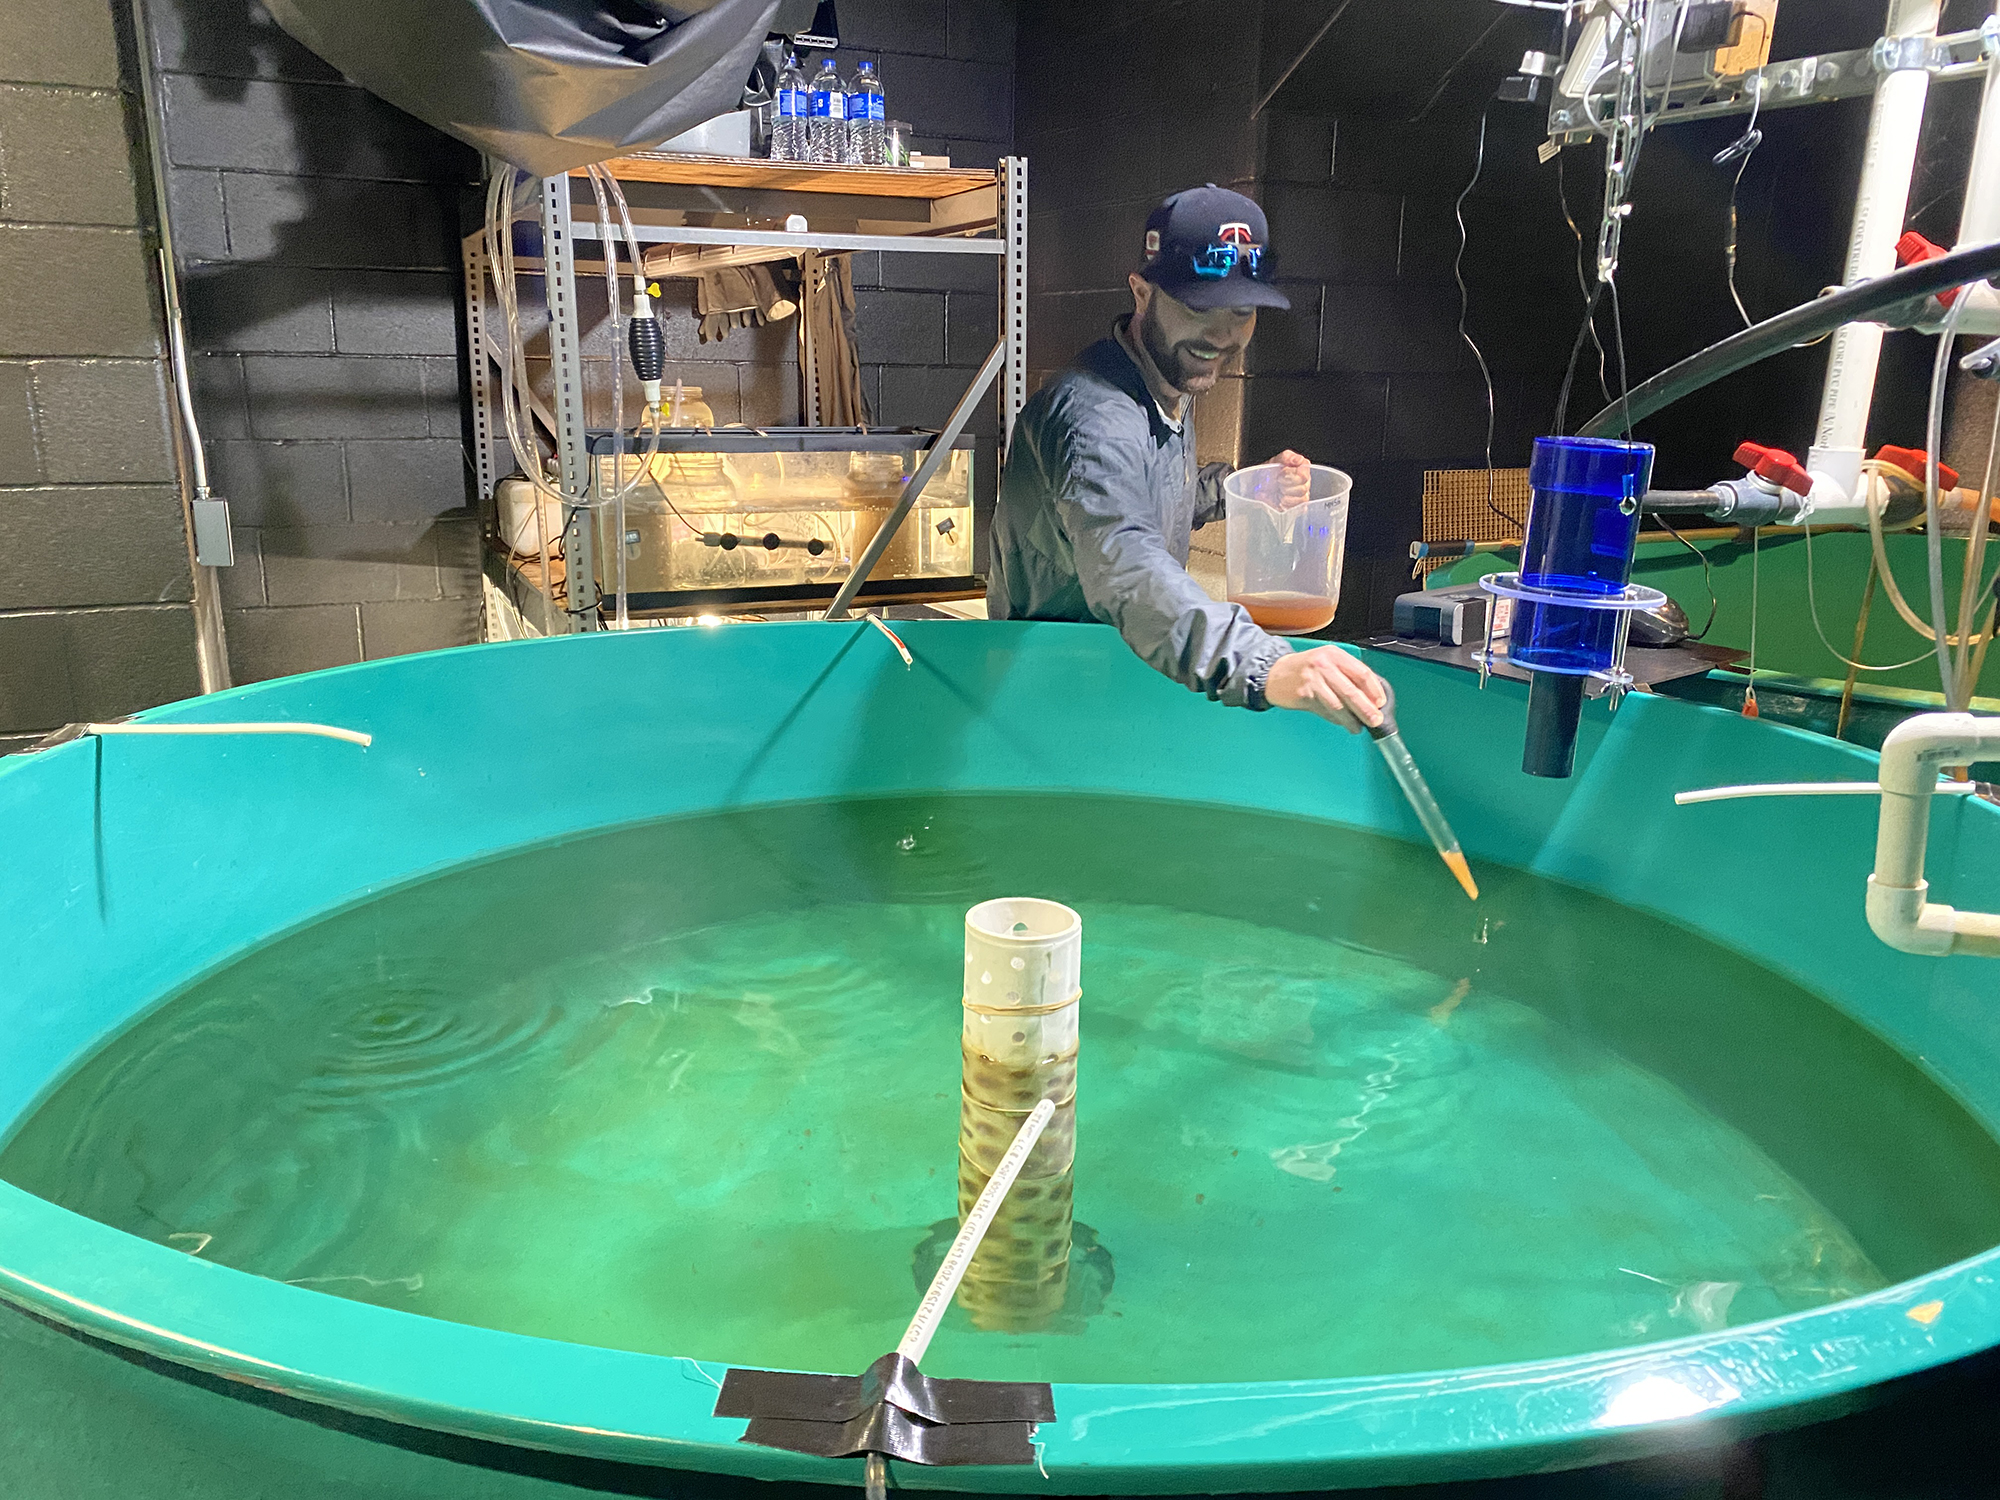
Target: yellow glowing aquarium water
(693,1088)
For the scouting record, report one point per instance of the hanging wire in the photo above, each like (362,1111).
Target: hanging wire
(1464,308)
(1624,376)
(1756,602)
(1587,293)
(1707,576)
(1740,151)
(1452,71)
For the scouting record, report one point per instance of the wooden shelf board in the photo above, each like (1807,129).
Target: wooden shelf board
(795,177)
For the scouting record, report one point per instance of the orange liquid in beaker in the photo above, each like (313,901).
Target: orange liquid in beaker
(1287,613)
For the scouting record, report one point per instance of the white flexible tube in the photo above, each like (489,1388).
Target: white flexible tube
(1812,789)
(930,1311)
(323,731)
(1898,908)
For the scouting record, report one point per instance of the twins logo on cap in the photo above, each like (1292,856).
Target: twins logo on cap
(1236,232)
(1152,242)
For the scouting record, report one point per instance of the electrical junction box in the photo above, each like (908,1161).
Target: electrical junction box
(1454,616)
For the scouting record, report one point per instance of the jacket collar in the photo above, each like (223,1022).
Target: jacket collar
(1109,359)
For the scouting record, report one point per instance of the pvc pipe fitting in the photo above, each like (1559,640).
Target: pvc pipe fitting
(1899,910)
(1022,953)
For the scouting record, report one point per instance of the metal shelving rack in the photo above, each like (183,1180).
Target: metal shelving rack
(895,210)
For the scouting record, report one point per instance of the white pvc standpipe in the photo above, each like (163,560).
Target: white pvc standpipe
(1979,221)
(1899,908)
(1882,201)
(1022,1001)
(1023,954)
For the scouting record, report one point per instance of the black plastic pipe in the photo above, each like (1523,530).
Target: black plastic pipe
(1555,704)
(1775,335)
(1677,500)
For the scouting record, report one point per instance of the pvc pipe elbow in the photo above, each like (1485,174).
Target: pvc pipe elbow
(1902,918)
(1916,748)
(1837,491)
(1898,912)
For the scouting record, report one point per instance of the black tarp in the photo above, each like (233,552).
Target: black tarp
(547,84)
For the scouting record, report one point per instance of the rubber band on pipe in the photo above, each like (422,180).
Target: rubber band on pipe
(322,731)
(1812,789)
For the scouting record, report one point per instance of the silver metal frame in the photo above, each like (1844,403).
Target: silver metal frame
(566,370)
(1008,360)
(478,375)
(1013,293)
(1786,84)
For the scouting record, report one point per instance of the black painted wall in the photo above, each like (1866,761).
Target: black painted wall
(1121,103)
(94,579)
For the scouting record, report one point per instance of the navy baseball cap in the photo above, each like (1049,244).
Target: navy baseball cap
(1207,247)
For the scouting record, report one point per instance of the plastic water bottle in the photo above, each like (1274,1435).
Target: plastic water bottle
(826,127)
(867,119)
(788,136)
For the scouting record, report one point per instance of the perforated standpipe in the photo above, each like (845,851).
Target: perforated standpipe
(1023,982)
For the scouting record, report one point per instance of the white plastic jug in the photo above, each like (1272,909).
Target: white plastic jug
(1284,560)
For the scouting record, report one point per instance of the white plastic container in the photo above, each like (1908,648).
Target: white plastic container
(1284,560)
(515,498)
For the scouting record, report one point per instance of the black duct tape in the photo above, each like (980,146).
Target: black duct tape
(897,1434)
(890,1408)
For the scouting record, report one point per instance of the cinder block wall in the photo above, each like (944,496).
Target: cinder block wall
(94,576)
(317,230)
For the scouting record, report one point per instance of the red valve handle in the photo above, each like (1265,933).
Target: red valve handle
(1912,461)
(1913,249)
(1776,465)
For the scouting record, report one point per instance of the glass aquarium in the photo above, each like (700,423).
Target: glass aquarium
(740,516)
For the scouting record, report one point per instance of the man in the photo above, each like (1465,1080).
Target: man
(1101,493)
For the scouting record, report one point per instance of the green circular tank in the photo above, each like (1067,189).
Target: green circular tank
(137,864)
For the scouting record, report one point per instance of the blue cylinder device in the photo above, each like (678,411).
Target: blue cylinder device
(1583,527)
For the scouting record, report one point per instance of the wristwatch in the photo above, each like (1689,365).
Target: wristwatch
(1253,687)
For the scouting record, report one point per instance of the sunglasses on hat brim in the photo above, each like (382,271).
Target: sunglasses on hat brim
(1219,259)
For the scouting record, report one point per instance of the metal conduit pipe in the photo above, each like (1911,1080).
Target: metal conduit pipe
(1795,326)
(1898,906)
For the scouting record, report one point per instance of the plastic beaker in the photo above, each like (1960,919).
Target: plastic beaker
(1284,560)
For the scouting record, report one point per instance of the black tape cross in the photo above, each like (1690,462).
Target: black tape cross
(890,1408)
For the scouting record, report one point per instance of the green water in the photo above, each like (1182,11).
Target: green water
(692,1088)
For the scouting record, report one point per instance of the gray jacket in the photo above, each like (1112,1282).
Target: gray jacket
(1100,498)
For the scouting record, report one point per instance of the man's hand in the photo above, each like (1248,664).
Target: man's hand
(1329,682)
(1294,478)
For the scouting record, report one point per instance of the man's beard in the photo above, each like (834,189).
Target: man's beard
(1176,364)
